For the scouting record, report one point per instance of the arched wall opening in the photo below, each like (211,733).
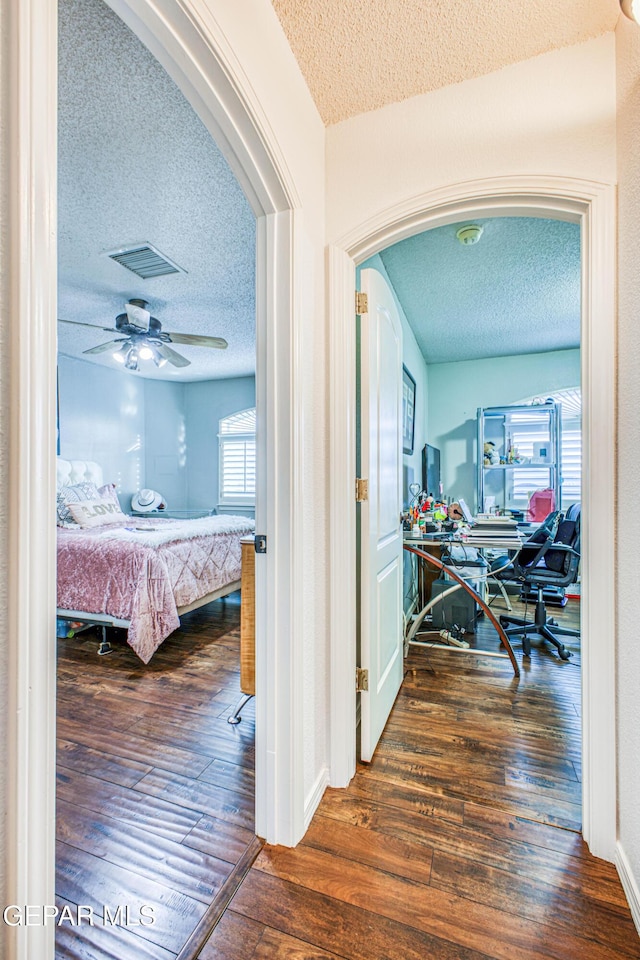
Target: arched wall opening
(186,39)
(592,206)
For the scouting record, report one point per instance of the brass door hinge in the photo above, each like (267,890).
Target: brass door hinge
(362,303)
(362,680)
(362,490)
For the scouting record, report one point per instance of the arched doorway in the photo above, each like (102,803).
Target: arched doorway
(193,48)
(592,206)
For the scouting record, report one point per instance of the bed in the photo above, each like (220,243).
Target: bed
(142,573)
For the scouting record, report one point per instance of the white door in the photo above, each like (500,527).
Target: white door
(381,648)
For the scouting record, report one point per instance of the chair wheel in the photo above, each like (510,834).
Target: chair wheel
(564,654)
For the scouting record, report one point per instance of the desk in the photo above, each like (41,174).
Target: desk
(419,552)
(423,574)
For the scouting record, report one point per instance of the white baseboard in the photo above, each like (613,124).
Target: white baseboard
(315,796)
(629,884)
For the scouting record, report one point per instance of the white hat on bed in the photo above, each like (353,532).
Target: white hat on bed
(146,500)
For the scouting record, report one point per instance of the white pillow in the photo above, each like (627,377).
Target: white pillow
(108,492)
(73,494)
(93,513)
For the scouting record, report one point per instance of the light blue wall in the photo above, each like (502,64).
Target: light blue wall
(165,440)
(148,433)
(102,418)
(415,364)
(206,403)
(456,390)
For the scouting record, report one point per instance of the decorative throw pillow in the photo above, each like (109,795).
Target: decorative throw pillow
(93,513)
(108,492)
(73,494)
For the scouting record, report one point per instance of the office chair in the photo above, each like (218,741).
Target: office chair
(501,568)
(550,557)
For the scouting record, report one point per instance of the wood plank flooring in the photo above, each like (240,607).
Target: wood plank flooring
(460,841)
(155,798)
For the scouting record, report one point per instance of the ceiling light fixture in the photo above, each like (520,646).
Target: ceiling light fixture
(129,354)
(121,353)
(631,9)
(131,363)
(469,234)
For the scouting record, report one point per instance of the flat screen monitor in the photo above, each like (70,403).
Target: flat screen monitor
(431,470)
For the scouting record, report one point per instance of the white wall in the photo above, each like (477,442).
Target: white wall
(415,364)
(289,114)
(554,114)
(628,489)
(205,404)
(456,390)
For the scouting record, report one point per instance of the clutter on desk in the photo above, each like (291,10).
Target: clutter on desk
(428,514)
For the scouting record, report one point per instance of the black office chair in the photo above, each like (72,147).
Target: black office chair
(550,557)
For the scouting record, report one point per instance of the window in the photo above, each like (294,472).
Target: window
(525,432)
(237,453)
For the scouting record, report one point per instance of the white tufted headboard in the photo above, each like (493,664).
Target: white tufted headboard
(69,472)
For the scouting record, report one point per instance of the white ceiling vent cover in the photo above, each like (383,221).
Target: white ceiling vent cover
(145,261)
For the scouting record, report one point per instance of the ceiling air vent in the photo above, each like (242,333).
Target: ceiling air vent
(145,261)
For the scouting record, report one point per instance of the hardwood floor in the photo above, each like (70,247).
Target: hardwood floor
(155,796)
(458,842)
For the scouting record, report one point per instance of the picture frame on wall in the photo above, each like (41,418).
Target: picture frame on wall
(408,410)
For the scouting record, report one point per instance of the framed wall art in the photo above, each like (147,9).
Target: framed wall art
(408,410)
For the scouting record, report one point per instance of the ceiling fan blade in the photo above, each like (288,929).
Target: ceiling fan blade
(103,346)
(92,326)
(175,358)
(193,340)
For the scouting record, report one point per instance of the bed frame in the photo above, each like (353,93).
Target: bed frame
(69,472)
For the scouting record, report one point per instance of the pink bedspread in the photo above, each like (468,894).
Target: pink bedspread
(98,573)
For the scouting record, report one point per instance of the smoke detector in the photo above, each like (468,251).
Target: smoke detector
(469,234)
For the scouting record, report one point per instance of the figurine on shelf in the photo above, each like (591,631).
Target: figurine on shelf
(491,455)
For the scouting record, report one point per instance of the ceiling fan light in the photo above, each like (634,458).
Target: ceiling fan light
(121,353)
(131,363)
(146,352)
(159,361)
(631,9)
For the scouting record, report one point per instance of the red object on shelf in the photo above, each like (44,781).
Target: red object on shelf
(541,504)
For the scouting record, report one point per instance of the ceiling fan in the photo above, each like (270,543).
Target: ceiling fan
(143,339)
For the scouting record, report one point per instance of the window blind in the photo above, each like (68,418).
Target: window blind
(237,454)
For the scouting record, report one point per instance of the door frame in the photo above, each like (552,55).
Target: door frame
(592,205)
(188,41)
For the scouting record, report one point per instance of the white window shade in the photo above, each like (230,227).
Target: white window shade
(237,454)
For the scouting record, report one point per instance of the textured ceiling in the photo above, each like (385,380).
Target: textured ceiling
(358,55)
(136,164)
(515,291)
